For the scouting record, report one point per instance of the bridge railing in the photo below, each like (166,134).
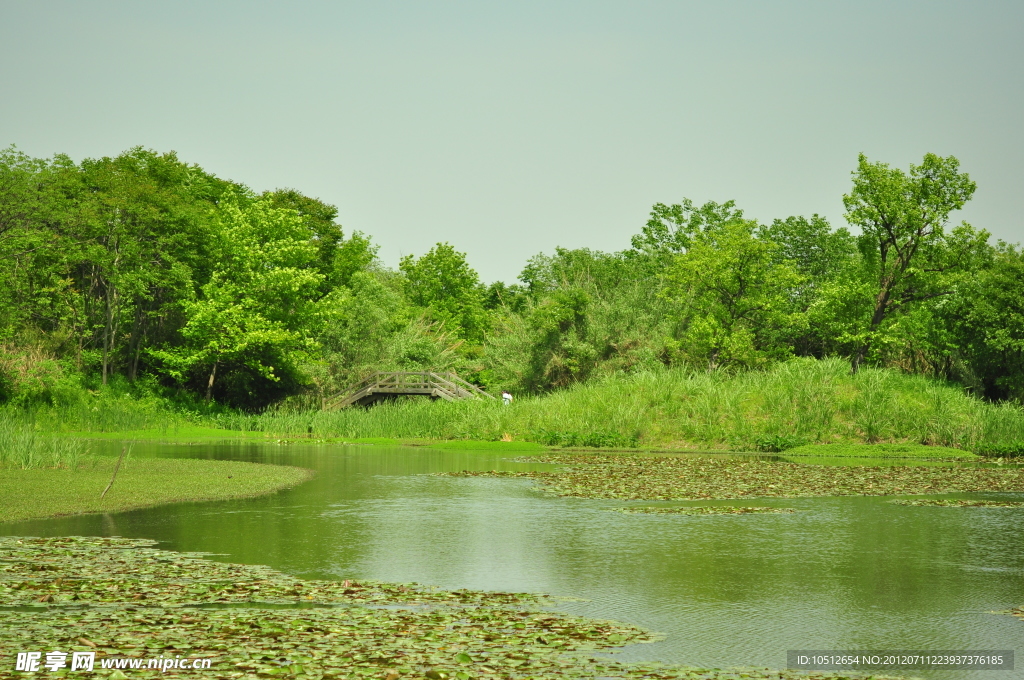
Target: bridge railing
(446,385)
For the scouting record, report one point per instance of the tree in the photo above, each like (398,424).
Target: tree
(988,315)
(671,229)
(443,282)
(255,316)
(338,258)
(812,246)
(735,298)
(560,353)
(903,218)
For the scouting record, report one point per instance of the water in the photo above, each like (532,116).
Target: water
(843,573)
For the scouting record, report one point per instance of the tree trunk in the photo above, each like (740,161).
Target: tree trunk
(138,336)
(209,385)
(881,309)
(858,357)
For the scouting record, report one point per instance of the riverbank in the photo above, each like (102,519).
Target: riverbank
(799,402)
(122,600)
(140,483)
(791,404)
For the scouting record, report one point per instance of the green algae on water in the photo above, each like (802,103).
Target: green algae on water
(627,476)
(956,503)
(704,510)
(125,598)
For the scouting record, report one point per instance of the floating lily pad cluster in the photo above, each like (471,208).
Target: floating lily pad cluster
(952,503)
(682,478)
(81,570)
(124,598)
(704,510)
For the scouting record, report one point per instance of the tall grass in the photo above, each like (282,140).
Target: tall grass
(800,401)
(24,446)
(108,413)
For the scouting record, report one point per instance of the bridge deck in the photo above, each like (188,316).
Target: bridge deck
(387,385)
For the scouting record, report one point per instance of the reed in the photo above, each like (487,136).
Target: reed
(24,446)
(802,401)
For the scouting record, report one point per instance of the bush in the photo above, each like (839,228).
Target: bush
(595,439)
(879,451)
(776,443)
(1008,450)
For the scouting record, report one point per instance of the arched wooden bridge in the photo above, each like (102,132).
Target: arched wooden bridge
(388,385)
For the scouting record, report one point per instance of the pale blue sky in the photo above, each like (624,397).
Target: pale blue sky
(508,128)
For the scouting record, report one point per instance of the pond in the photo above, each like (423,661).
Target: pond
(725,590)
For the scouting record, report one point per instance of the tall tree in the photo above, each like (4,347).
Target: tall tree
(256,316)
(443,282)
(988,316)
(735,297)
(671,229)
(903,218)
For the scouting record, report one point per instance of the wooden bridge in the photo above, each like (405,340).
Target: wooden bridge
(388,385)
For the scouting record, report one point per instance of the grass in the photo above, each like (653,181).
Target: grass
(880,451)
(23,446)
(803,401)
(140,483)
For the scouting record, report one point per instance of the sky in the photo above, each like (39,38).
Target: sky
(510,128)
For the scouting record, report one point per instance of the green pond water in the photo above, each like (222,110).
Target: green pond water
(843,573)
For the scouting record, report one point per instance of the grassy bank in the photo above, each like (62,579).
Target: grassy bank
(912,451)
(121,598)
(139,483)
(800,402)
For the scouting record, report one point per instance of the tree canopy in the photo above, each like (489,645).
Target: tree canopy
(144,269)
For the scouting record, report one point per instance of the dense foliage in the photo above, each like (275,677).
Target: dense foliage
(145,273)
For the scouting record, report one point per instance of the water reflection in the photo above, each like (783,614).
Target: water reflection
(842,573)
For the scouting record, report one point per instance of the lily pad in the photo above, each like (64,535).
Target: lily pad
(124,598)
(705,510)
(687,478)
(953,503)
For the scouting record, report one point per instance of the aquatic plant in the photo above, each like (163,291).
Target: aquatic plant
(691,477)
(704,510)
(956,503)
(24,446)
(123,599)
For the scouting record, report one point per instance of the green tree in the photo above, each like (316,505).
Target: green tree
(735,298)
(253,321)
(560,351)
(338,258)
(444,283)
(370,326)
(903,218)
(820,254)
(671,229)
(816,250)
(988,316)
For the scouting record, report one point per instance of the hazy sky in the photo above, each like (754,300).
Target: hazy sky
(509,128)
